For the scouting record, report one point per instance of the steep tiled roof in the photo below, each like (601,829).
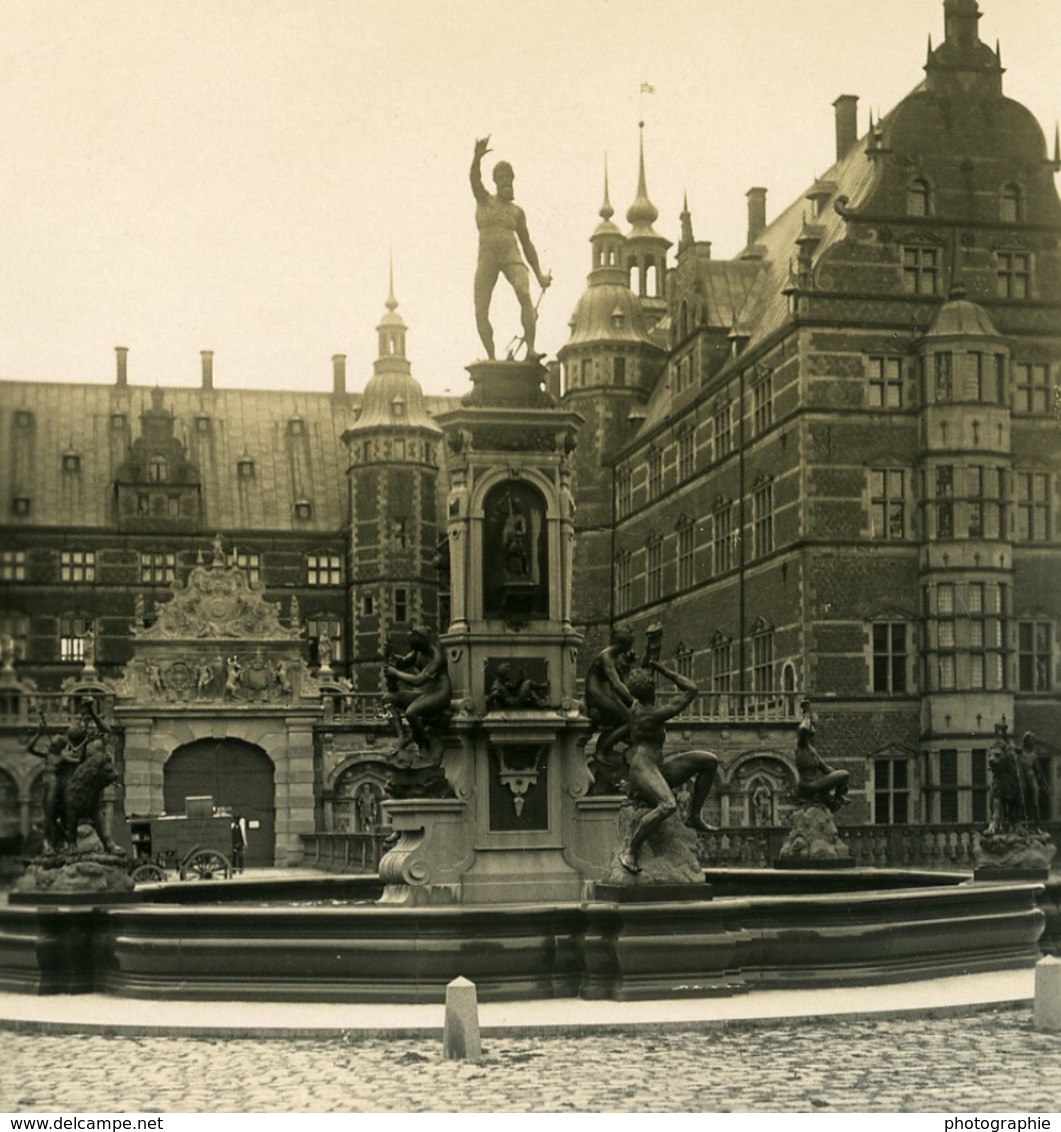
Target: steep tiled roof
(293,439)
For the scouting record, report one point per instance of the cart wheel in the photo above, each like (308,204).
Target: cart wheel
(148,874)
(205,864)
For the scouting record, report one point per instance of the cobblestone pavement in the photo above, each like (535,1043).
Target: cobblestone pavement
(986,1062)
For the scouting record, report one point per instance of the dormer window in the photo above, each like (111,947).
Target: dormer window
(117,422)
(21,505)
(1009,204)
(303,509)
(398,407)
(245,468)
(918,198)
(71,463)
(202,424)
(157,469)
(618,318)
(23,419)
(296,426)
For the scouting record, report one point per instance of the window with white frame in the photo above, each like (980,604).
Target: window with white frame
(721,664)
(891,656)
(723,429)
(763,662)
(324,570)
(723,537)
(686,555)
(1013,273)
(763,404)
(622,581)
(892,778)
(157,567)
(319,628)
(887,487)
(686,454)
(1033,506)
(12,565)
(958,785)
(763,516)
(654,568)
(401,604)
(15,626)
(77,566)
(251,564)
(921,270)
(1031,387)
(655,474)
(885,382)
(1034,656)
(623,491)
(72,633)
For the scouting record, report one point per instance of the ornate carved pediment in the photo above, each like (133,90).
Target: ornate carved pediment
(218,603)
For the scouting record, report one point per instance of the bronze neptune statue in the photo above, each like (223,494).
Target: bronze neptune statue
(502,228)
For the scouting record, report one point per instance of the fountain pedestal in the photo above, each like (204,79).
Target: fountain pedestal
(520,827)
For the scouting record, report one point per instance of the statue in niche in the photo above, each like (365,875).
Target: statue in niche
(511,689)
(818,782)
(515,568)
(417,699)
(762,801)
(514,536)
(154,678)
(653,777)
(503,232)
(283,680)
(367,802)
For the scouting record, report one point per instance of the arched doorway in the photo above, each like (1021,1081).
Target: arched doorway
(235,774)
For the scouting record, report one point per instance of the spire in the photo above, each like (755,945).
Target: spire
(1057,147)
(606,210)
(687,239)
(391,303)
(642,214)
(391,331)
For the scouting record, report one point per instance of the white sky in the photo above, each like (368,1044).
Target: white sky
(234,174)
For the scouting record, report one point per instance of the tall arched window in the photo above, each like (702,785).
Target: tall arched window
(917,198)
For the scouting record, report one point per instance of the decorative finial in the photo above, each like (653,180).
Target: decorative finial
(606,210)
(392,302)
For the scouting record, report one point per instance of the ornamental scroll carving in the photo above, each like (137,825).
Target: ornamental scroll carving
(214,604)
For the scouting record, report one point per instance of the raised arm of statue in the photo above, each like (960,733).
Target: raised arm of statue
(482,148)
(689,692)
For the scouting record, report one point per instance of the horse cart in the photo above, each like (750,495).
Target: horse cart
(195,845)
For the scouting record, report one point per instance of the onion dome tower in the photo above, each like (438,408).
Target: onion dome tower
(646,249)
(393,453)
(610,365)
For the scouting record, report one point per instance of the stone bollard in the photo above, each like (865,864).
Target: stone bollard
(460,1039)
(1047,1014)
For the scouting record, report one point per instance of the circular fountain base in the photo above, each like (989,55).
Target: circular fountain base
(313,941)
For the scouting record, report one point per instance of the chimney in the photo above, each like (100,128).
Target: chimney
(756,214)
(846,107)
(208,368)
(338,373)
(122,354)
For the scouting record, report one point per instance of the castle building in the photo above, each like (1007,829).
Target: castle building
(829,466)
